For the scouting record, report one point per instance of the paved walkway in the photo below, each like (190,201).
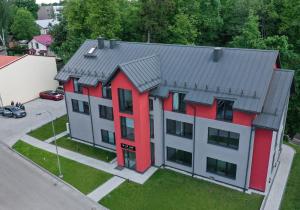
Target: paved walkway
(98,164)
(106,188)
(273,200)
(57,137)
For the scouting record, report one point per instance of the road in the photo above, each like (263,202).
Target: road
(13,129)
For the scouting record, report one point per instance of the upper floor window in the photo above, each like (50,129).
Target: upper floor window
(80,106)
(150,104)
(224,110)
(77,87)
(106,112)
(125,101)
(223,138)
(108,137)
(106,92)
(151,127)
(127,128)
(181,129)
(221,168)
(37,45)
(178,102)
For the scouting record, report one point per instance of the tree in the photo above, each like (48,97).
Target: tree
(5,18)
(156,16)
(183,31)
(30,5)
(24,26)
(250,36)
(209,21)
(103,18)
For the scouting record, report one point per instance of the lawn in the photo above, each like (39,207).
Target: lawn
(45,132)
(85,149)
(171,190)
(82,177)
(291,199)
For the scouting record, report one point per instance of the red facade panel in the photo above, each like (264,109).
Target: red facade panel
(243,118)
(69,86)
(96,91)
(260,159)
(141,123)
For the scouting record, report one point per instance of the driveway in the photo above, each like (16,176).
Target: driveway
(12,129)
(27,187)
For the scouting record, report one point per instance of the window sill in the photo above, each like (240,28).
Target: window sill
(224,120)
(215,144)
(223,176)
(180,112)
(179,163)
(87,114)
(171,134)
(102,118)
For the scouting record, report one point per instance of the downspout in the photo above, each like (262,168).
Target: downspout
(163,127)
(91,116)
(249,150)
(194,143)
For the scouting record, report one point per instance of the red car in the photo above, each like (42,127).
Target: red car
(51,95)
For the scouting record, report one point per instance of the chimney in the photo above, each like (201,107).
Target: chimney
(217,54)
(112,43)
(100,42)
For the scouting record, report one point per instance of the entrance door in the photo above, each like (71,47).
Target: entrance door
(129,159)
(152,153)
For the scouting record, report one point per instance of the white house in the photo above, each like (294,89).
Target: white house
(39,45)
(46,24)
(23,78)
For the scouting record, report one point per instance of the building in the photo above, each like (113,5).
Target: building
(23,78)
(217,113)
(45,25)
(39,45)
(45,12)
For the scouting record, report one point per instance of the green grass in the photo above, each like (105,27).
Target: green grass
(45,132)
(291,198)
(84,149)
(170,190)
(82,177)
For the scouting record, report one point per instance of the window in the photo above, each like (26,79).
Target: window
(181,129)
(178,102)
(106,92)
(221,168)
(37,45)
(223,138)
(179,156)
(151,127)
(125,101)
(151,104)
(80,106)
(224,110)
(106,112)
(127,128)
(77,87)
(108,137)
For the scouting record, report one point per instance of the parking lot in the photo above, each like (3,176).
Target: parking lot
(13,129)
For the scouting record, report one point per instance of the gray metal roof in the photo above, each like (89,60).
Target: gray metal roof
(276,100)
(144,73)
(88,80)
(242,75)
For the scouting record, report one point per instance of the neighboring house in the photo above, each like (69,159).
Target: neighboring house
(45,25)
(217,113)
(57,10)
(39,45)
(45,12)
(23,78)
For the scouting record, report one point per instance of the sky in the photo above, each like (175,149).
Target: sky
(46,1)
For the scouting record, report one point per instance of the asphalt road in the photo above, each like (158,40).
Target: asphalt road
(23,186)
(13,129)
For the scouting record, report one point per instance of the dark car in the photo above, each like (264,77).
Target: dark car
(13,111)
(60,90)
(51,95)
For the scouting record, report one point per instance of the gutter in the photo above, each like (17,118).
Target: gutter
(249,150)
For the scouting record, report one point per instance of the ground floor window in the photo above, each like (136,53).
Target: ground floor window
(179,156)
(108,137)
(129,159)
(80,106)
(221,168)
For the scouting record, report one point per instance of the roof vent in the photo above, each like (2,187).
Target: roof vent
(100,42)
(217,54)
(112,43)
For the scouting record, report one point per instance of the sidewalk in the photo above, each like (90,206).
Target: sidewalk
(273,200)
(98,164)
(57,137)
(106,188)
